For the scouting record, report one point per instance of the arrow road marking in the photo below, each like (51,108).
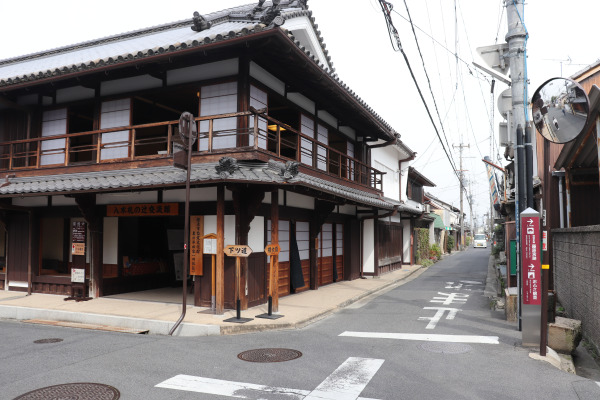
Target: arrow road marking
(425,337)
(345,383)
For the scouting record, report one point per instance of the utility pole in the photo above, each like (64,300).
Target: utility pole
(516,38)
(462,178)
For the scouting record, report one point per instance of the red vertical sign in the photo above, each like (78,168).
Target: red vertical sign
(530,256)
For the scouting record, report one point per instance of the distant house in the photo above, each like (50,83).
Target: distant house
(91,149)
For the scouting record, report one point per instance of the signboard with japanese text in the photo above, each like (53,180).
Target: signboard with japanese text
(210,246)
(238,250)
(78,242)
(196,233)
(530,256)
(142,210)
(272,249)
(77,275)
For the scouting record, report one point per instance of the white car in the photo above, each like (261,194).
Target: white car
(480,241)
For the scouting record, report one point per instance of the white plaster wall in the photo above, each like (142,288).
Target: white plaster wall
(300,201)
(41,201)
(110,240)
(213,70)
(406,241)
(404,180)
(256,236)
(127,198)
(368,246)
(385,159)
(210,226)
(348,209)
(261,75)
(303,31)
(63,201)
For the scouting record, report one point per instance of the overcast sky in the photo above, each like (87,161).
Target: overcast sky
(356,37)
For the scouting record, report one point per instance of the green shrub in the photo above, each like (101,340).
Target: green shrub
(422,235)
(435,252)
(427,263)
(450,244)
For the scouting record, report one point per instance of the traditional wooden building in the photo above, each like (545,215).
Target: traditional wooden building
(90,133)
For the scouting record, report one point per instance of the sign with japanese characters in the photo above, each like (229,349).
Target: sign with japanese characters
(78,241)
(196,233)
(77,275)
(142,210)
(530,257)
(238,250)
(272,249)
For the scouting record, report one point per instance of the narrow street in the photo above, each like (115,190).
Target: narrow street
(434,337)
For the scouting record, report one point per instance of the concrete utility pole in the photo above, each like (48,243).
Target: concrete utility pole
(516,38)
(462,188)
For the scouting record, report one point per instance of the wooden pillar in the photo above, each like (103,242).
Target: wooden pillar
(314,253)
(246,203)
(29,253)
(97,261)
(220,278)
(243,101)
(275,240)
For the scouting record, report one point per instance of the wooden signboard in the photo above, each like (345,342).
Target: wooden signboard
(272,249)
(238,250)
(196,232)
(142,210)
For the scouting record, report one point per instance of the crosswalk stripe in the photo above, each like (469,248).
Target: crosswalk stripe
(347,381)
(424,337)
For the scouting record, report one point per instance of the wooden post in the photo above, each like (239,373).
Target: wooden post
(220,273)
(274,270)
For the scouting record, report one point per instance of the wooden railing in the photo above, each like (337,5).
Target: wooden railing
(217,134)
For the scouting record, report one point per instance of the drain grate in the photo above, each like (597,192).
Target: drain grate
(51,340)
(78,391)
(269,355)
(446,348)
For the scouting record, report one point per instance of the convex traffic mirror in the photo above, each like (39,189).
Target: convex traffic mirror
(560,110)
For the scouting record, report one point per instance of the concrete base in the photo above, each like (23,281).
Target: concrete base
(560,361)
(564,335)
(510,308)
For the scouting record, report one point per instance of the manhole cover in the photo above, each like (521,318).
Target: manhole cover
(73,391)
(269,355)
(446,348)
(51,340)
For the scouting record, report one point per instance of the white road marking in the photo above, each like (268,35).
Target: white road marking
(345,383)
(449,298)
(348,381)
(438,315)
(425,337)
(598,383)
(219,387)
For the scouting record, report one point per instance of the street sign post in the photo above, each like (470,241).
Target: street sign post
(272,250)
(531,277)
(238,251)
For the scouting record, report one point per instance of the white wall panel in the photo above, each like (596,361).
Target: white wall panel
(302,101)
(132,84)
(41,201)
(256,236)
(300,201)
(196,194)
(368,246)
(74,94)
(261,75)
(196,73)
(127,198)
(63,201)
(210,226)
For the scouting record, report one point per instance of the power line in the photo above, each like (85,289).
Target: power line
(426,74)
(386,9)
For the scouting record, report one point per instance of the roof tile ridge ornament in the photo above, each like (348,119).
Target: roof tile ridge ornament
(200,23)
(226,167)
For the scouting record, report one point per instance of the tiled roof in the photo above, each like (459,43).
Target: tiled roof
(253,172)
(158,40)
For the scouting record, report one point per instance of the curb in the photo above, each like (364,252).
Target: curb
(241,329)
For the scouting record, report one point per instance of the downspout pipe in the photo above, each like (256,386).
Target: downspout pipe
(560,175)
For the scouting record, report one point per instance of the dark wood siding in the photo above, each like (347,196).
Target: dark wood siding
(18,247)
(389,246)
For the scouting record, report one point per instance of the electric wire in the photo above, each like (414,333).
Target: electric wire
(426,74)
(386,9)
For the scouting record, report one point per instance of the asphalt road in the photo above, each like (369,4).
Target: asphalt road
(396,367)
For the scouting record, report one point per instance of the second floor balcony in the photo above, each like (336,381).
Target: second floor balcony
(244,135)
